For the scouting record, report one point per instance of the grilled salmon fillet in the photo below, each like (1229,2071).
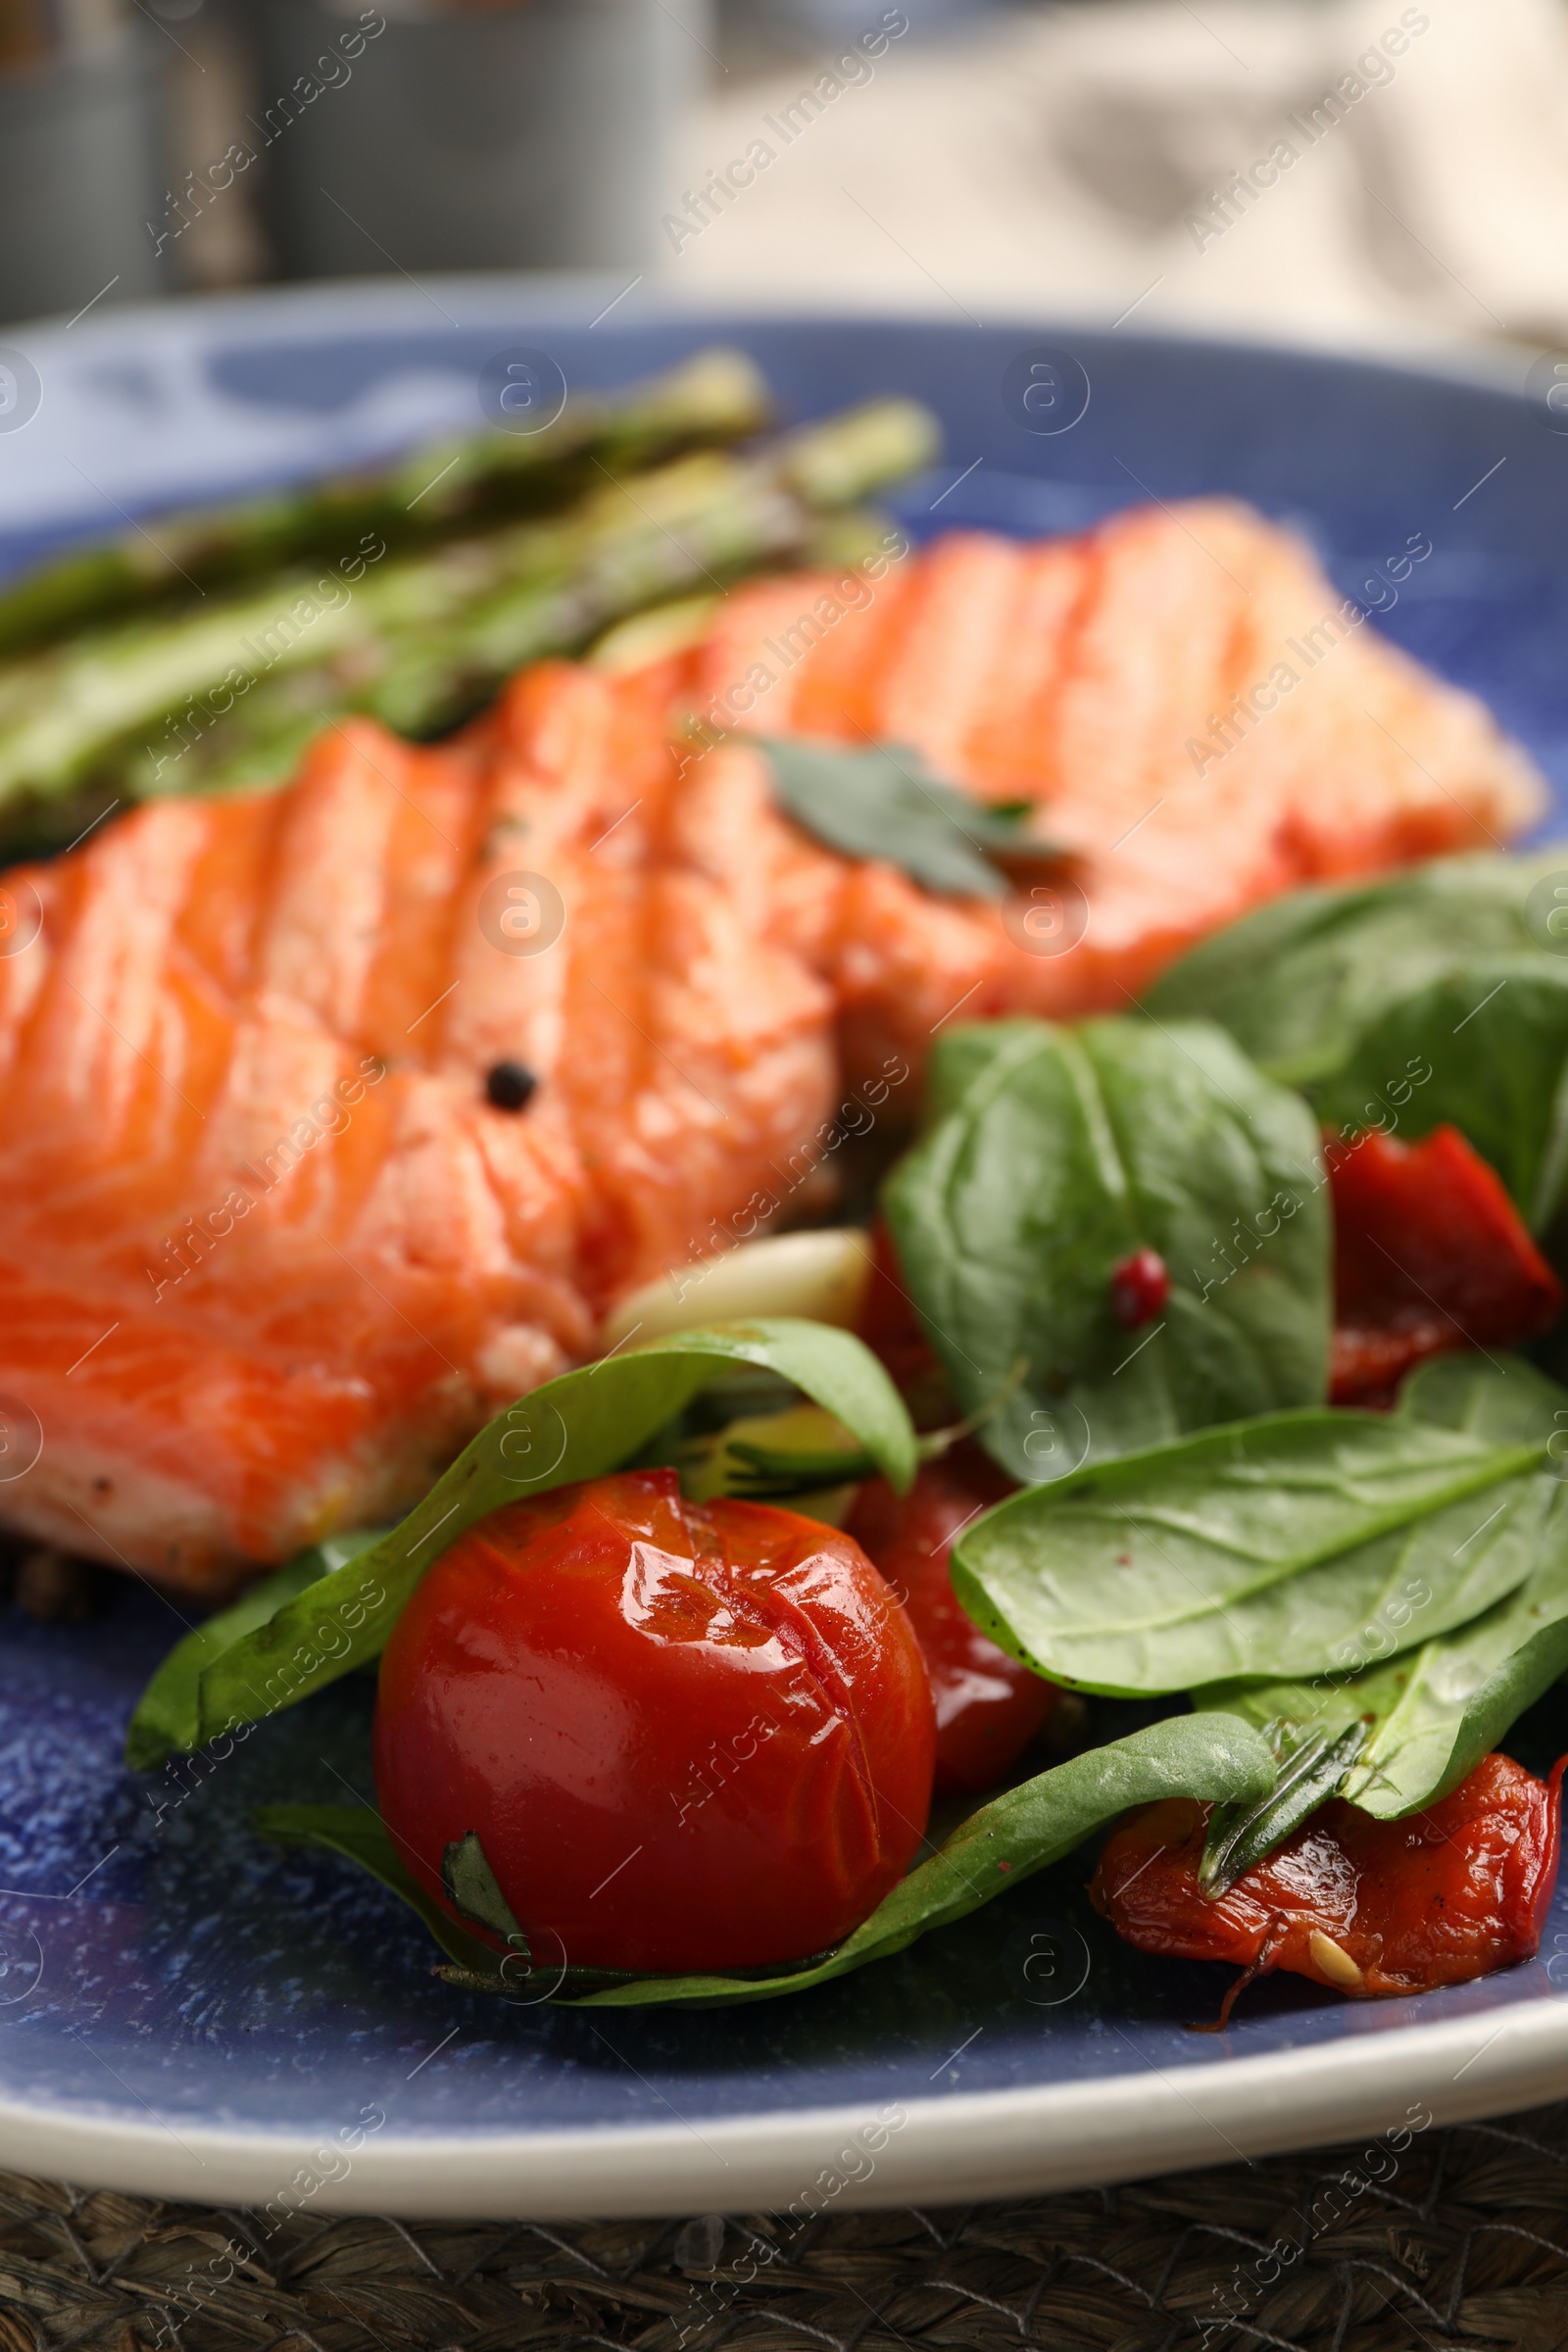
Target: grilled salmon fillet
(1200,719)
(267,1251)
(268,1254)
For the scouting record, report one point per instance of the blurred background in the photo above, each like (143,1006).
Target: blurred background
(1345,170)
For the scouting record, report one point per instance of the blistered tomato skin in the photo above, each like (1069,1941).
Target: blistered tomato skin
(1365,1906)
(988,1706)
(688,1737)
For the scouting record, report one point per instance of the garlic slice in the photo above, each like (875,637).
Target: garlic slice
(1335,1961)
(821,1276)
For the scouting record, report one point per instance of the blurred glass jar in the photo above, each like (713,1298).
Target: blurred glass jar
(471,136)
(80,152)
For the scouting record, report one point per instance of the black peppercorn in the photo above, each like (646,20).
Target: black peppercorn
(509,1084)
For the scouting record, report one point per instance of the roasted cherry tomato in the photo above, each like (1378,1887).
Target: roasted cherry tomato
(1367,1906)
(1429,1255)
(989,1707)
(688,1737)
(893,1330)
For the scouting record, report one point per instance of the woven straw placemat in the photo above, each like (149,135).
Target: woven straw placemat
(1460,2239)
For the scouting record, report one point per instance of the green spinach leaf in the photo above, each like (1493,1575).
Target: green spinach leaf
(961,1056)
(168,1714)
(1329,1703)
(358,1834)
(1297,982)
(1503,1399)
(1059,1151)
(1432,1712)
(1208,1756)
(1461,1692)
(1291,1545)
(885,801)
(1466,1689)
(580,1426)
(1492,1038)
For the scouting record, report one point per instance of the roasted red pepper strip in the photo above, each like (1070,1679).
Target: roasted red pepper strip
(1365,1906)
(1430,1255)
(989,1707)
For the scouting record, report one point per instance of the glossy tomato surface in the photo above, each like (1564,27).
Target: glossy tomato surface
(988,1706)
(688,1736)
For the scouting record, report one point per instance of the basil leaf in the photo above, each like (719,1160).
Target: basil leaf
(1273,1547)
(168,1714)
(1493,1039)
(1298,981)
(1062,1151)
(884,802)
(1211,1757)
(582,1425)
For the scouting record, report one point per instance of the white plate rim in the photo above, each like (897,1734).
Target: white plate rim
(963,2146)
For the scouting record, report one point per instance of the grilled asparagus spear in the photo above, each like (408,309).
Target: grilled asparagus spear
(227,692)
(263,742)
(713,398)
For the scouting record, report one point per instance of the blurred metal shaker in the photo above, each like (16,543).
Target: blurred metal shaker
(470,137)
(80,155)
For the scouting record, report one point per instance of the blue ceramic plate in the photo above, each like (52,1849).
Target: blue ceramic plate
(186,2012)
